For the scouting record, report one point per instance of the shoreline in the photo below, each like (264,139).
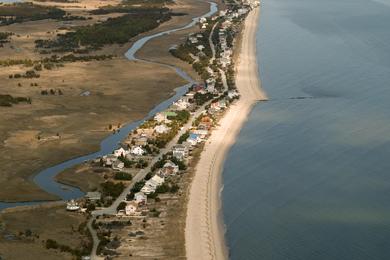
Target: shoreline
(204,231)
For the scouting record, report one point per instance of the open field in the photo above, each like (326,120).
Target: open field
(121,91)
(26,230)
(56,127)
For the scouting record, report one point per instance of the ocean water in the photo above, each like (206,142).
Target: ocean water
(309,176)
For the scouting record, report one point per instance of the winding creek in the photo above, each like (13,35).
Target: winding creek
(46,178)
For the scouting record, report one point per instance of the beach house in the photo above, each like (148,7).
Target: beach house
(72,206)
(200,47)
(152,184)
(137,151)
(131,208)
(233,94)
(120,152)
(147,189)
(169,168)
(161,129)
(181,104)
(193,139)
(140,198)
(161,117)
(201,133)
(180,151)
(203,20)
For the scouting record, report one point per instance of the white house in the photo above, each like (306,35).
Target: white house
(161,129)
(169,169)
(72,206)
(202,133)
(232,94)
(180,151)
(147,189)
(154,182)
(120,152)
(137,150)
(200,47)
(160,117)
(140,198)
(193,139)
(181,104)
(193,40)
(131,208)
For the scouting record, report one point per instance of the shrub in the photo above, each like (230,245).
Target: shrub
(121,206)
(123,176)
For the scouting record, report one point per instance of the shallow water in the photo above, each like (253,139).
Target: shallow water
(309,178)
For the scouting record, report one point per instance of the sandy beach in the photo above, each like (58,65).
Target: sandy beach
(204,231)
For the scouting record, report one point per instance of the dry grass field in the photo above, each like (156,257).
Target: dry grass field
(121,91)
(23,232)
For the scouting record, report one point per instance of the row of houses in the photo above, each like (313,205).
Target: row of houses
(113,160)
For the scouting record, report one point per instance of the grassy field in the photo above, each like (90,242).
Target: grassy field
(121,91)
(24,232)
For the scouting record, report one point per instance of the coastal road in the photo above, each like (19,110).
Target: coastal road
(142,173)
(224,81)
(212,46)
(138,177)
(211,43)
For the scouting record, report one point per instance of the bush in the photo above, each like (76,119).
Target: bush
(121,206)
(51,244)
(114,30)
(137,186)
(123,176)
(112,189)
(183,137)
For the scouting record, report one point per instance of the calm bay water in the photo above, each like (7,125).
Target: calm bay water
(310,178)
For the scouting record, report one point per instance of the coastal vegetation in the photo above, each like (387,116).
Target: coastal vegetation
(201,50)
(4,36)
(117,30)
(23,12)
(8,100)
(112,189)
(134,6)
(123,176)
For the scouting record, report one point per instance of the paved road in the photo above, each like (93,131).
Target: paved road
(224,81)
(140,176)
(212,46)
(142,173)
